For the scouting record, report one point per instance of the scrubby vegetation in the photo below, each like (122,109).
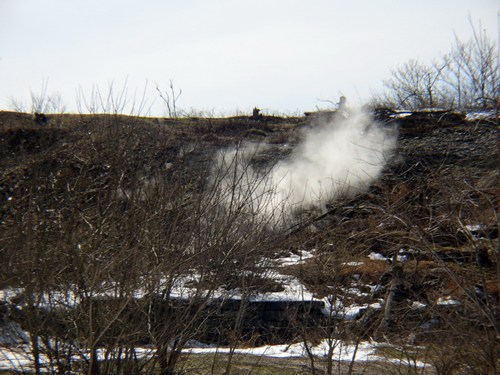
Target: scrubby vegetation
(468,76)
(122,245)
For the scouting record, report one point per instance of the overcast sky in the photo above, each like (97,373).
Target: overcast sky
(226,55)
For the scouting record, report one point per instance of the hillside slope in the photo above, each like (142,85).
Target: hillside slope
(98,206)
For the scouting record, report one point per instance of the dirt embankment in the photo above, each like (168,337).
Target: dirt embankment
(424,234)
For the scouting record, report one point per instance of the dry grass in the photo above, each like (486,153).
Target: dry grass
(89,199)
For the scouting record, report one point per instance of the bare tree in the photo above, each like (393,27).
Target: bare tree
(415,85)
(474,72)
(42,102)
(170,97)
(467,77)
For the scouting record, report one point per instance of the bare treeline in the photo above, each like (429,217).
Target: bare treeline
(467,77)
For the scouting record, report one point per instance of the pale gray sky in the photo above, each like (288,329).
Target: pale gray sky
(226,55)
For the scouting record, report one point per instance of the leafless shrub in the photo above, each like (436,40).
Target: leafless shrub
(474,71)
(416,85)
(40,102)
(467,77)
(115,254)
(170,97)
(130,243)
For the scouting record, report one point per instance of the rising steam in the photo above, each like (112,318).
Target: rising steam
(336,158)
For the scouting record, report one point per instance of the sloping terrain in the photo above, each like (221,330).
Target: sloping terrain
(113,232)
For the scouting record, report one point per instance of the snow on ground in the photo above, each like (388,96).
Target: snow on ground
(376,256)
(353,264)
(480,115)
(448,300)
(354,311)
(8,294)
(401,257)
(353,290)
(477,231)
(344,352)
(20,358)
(294,290)
(469,116)
(416,305)
(184,286)
(365,351)
(474,227)
(294,259)
(401,114)
(17,359)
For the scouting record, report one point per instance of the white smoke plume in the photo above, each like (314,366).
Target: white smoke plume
(335,158)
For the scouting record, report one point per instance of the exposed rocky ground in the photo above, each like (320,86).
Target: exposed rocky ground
(413,260)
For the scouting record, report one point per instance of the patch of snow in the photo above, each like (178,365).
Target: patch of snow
(294,290)
(416,305)
(444,301)
(354,291)
(376,256)
(353,264)
(364,352)
(474,228)
(432,109)
(295,258)
(9,293)
(351,312)
(184,287)
(375,288)
(480,115)
(20,359)
(401,114)
(477,231)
